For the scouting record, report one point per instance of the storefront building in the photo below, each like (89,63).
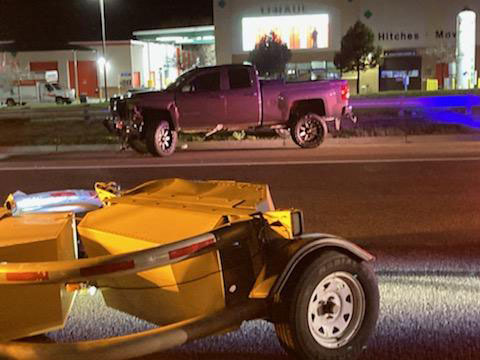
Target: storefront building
(151,62)
(128,64)
(418,36)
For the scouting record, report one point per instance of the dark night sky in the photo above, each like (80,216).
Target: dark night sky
(61,21)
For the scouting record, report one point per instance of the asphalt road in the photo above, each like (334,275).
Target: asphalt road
(415,206)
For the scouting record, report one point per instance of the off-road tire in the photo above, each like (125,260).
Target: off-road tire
(307,131)
(160,137)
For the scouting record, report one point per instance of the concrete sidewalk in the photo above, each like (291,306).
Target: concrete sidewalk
(7,151)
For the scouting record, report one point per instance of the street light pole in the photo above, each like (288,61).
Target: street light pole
(104,47)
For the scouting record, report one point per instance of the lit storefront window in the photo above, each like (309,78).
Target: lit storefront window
(297,31)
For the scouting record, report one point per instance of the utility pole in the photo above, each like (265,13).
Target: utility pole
(104,47)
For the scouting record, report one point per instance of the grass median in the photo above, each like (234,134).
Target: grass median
(385,122)
(74,132)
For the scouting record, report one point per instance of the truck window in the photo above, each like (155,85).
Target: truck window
(49,87)
(239,78)
(207,82)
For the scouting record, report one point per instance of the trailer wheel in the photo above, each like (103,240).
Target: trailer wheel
(10,102)
(307,131)
(161,138)
(331,310)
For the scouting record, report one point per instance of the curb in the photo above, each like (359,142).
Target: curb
(6,151)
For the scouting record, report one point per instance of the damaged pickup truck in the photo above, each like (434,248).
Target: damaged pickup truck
(228,97)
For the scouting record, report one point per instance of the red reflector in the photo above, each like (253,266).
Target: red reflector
(345,91)
(174,254)
(28,276)
(62,193)
(107,269)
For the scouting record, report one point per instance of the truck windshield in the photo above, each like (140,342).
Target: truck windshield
(57,87)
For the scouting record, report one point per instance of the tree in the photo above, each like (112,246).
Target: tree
(270,55)
(358,51)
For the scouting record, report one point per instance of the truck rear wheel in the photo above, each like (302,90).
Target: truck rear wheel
(307,131)
(161,138)
(331,311)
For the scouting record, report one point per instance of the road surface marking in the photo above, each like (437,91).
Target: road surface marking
(237,163)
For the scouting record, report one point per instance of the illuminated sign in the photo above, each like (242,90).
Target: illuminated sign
(282,9)
(297,31)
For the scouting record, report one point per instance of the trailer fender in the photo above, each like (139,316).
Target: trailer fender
(309,246)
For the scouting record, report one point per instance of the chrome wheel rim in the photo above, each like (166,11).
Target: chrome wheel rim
(163,138)
(336,310)
(308,129)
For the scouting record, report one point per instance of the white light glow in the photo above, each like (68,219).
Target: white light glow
(297,31)
(101,62)
(466,46)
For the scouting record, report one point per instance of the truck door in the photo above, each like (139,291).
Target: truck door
(243,97)
(200,102)
(47,93)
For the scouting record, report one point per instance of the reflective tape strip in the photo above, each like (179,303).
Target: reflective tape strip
(187,250)
(63,193)
(105,266)
(27,276)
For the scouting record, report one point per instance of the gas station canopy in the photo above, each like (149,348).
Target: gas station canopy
(194,35)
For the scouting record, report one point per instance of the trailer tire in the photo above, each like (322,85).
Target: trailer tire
(161,138)
(307,131)
(331,310)
(10,102)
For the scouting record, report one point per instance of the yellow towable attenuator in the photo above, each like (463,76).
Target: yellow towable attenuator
(195,257)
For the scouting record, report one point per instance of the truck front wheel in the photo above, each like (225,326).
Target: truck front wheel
(161,138)
(331,311)
(307,131)
(10,102)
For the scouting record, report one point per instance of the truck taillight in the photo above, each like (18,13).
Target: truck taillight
(345,92)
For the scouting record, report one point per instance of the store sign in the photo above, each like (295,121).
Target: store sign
(282,9)
(440,34)
(296,31)
(413,36)
(398,36)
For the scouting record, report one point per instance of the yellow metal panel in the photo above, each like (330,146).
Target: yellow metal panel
(153,224)
(199,292)
(190,288)
(27,310)
(263,284)
(281,222)
(212,194)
